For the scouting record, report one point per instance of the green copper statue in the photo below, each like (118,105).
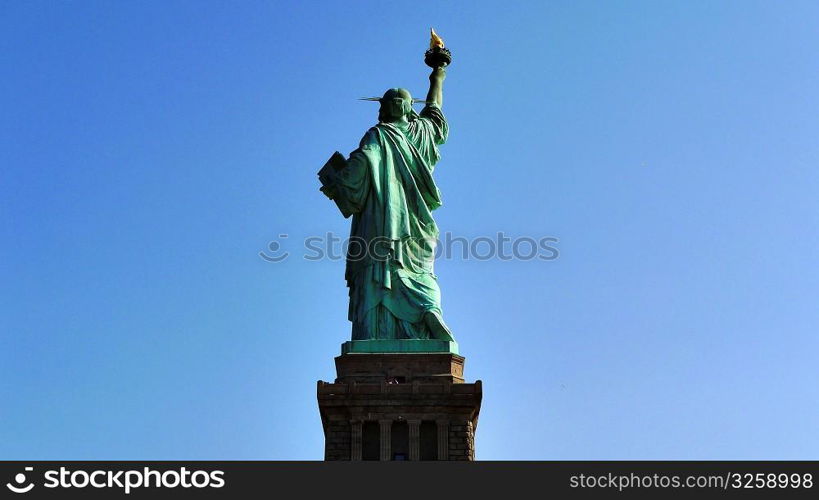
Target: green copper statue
(387,187)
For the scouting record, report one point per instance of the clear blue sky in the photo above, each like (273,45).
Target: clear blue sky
(150,150)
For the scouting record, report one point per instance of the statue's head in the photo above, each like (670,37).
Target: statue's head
(395,105)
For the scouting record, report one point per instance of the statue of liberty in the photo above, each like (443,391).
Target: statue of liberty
(387,186)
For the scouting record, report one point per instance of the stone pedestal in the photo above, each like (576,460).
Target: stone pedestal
(399,406)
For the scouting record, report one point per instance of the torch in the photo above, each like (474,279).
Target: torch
(437,56)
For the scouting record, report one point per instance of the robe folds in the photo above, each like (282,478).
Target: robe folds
(388,187)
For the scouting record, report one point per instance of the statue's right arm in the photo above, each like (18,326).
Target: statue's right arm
(436,87)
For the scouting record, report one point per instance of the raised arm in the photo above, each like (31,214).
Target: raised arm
(436,86)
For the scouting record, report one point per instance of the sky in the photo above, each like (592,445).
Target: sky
(151,151)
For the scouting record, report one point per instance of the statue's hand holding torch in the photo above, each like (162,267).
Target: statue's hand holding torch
(438,58)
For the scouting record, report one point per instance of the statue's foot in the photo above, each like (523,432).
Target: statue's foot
(437,328)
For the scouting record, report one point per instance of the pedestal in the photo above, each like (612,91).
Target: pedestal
(399,406)
(404,345)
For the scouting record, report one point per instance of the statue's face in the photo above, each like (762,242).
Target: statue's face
(395,105)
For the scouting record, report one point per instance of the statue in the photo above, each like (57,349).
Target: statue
(386,185)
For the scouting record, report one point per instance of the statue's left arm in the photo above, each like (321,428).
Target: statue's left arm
(349,185)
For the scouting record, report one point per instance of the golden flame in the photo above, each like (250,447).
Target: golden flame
(435,40)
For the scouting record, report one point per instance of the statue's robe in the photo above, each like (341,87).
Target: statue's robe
(387,185)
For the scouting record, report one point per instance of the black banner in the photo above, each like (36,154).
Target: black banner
(427,480)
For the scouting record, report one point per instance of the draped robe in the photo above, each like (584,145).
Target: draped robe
(388,187)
